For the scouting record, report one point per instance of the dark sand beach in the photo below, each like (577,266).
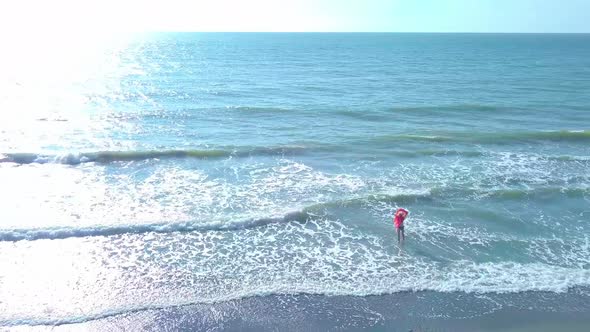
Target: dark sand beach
(406,311)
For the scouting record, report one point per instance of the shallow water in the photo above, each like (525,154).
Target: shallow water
(177,169)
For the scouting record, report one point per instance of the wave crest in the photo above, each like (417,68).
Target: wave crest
(489,137)
(114,156)
(68,232)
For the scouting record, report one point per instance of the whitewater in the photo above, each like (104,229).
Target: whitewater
(180,170)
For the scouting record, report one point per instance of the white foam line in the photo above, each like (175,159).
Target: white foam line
(468,277)
(66,232)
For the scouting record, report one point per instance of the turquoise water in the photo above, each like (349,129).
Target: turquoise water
(175,169)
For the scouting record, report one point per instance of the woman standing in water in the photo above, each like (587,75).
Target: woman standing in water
(398,221)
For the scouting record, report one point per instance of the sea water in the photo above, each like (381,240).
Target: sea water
(190,168)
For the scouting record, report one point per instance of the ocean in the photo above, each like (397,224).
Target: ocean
(250,180)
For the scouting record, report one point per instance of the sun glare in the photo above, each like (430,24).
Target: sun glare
(54,59)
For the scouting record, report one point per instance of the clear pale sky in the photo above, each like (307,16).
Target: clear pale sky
(296,15)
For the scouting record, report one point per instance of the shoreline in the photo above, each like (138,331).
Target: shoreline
(405,311)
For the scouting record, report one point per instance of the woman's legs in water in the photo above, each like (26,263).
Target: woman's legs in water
(400,233)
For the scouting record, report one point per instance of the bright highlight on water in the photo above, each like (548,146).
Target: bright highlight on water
(189,169)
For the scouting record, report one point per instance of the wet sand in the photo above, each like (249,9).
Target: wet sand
(406,311)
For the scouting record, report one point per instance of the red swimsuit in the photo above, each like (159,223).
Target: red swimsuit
(399,220)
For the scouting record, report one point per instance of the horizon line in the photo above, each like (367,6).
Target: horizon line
(400,32)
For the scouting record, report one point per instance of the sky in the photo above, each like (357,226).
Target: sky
(110,16)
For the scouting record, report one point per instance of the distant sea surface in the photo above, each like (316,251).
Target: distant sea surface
(168,170)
